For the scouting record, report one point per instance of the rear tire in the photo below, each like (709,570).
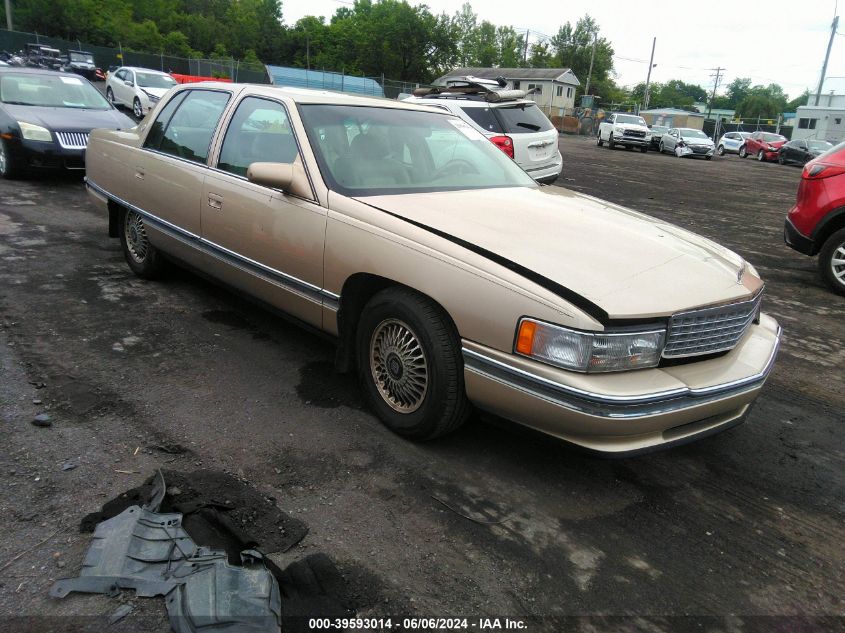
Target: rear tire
(833,251)
(143,258)
(409,362)
(644,149)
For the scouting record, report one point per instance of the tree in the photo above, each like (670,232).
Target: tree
(800,100)
(737,90)
(573,47)
(759,105)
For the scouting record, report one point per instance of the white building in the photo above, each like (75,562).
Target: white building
(825,121)
(554,87)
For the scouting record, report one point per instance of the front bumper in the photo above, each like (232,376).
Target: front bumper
(797,240)
(46,155)
(633,141)
(770,156)
(625,412)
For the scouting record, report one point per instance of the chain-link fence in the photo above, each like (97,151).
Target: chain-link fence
(105,57)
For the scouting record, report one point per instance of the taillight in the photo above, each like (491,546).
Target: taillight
(504,143)
(822,170)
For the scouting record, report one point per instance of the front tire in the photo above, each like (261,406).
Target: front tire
(721,150)
(410,366)
(832,262)
(644,149)
(661,148)
(137,110)
(9,167)
(743,152)
(781,159)
(599,142)
(610,142)
(761,156)
(143,258)
(110,96)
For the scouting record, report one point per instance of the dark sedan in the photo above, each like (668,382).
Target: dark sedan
(800,151)
(45,118)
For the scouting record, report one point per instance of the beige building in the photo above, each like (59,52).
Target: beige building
(554,88)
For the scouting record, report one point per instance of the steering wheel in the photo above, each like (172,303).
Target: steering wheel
(458,166)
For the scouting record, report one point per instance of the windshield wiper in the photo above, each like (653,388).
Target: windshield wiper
(530,126)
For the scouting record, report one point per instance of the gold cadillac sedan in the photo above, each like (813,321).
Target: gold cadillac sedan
(447,276)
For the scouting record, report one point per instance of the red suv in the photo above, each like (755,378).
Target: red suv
(763,145)
(816,224)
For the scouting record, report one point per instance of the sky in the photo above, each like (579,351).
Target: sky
(769,41)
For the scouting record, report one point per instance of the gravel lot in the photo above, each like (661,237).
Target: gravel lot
(493,521)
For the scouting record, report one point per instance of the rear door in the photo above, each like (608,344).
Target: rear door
(534,137)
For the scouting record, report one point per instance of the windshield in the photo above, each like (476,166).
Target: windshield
(154,80)
(52,91)
(693,134)
(629,118)
(771,138)
(523,119)
(821,146)
(366,151)
(81,57)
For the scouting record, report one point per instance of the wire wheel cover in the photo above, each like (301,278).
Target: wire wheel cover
(398,366)
(136,237)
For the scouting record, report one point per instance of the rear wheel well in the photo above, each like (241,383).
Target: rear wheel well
(357,290)
(828,228)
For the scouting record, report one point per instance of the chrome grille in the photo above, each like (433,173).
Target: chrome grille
(710,330)
(635,133)
(73,140)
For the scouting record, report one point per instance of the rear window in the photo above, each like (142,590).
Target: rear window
(485,118)
(523,119)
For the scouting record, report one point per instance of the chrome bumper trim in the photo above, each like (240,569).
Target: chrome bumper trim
(612,407)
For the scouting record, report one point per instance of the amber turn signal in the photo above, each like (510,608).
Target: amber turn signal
(525,337)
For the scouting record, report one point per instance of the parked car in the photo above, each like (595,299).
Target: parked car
(802,150)
(730,142)
(657,132)
(815,225)
(763,145)
(627,130)
(684,141)
(43,56)
(447,276)
(137,88)
(45,119)
(511,122)
(82,63)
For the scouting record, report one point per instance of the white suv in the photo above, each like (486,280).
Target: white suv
(514,124)
(137,88)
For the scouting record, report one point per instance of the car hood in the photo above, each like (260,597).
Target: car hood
(74,119)
(774,144)
(630,265)
(697,141)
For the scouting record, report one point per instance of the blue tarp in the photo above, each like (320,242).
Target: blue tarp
(323,80)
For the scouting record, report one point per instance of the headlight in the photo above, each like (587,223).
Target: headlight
(152,97)
(589,351)
(621,130)
(34,132)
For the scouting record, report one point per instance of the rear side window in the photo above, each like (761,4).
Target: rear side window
(523,119)
(485,118)
(260,132)
(188,133)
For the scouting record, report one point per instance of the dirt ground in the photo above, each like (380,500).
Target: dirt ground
(739,532)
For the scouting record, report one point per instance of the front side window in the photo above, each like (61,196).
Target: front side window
(259,132)
(186,131)
(365,151)
(51,91)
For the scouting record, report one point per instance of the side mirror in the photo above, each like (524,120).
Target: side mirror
(288,177)
(129,83)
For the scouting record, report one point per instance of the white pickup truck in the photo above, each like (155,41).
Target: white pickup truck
(624,129)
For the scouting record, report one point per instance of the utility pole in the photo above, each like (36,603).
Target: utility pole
(9,15)
(833,26)
(525,52)
(648,77)
(715,86)
(592,58)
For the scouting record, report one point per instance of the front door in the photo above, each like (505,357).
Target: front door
(265,241)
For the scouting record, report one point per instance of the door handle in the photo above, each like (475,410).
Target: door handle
(139,173)
(215,201)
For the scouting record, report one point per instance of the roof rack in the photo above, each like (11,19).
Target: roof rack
(467,87)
